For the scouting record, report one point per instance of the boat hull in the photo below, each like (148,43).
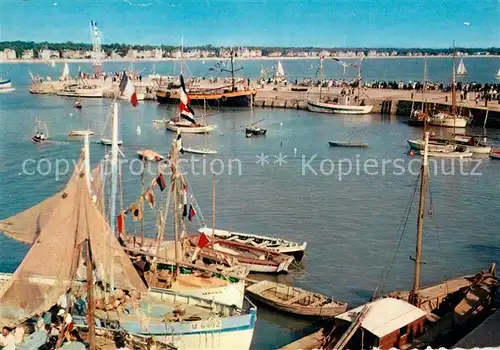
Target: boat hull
(447,121)
(347,144)
(451,155)
(4,84)
(433,147)
(84,93)
(81,133)
(230,294)
(321,107)
(6,90)
(495,155)
(108,142)
(229,99)
(190,130)
(199,151)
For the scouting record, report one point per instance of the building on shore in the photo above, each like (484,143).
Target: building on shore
(46,54)
(8,54)
(28,54)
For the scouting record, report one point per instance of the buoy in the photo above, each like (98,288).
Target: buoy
(295,151)
(138,131)
(281,124)
(71,114)
(412,153)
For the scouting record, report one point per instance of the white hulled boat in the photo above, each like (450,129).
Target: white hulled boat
(447,120)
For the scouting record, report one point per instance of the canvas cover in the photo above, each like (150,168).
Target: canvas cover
(50,265)
(26,225)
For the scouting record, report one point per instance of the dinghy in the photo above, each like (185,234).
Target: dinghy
(150,155)
(347,144)
(476,144)
(232,253)
(495,155)
(435,145)
(107,142)
(199,150)
(295,300)
(459,152)
(278,245)
(188,128)
(81,133)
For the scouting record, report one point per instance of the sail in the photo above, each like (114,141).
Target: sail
(50,265)
(26,225)
(280,72)
(53,64)
(66,70)
(461,68)
(498,73)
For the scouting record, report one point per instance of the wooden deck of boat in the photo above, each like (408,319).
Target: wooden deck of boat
(312,341)
(486,335)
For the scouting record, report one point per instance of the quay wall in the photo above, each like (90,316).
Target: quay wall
(385,101)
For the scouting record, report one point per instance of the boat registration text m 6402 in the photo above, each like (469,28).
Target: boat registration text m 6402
(206,325)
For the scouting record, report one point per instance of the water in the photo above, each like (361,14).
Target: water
(352,226)
(479,69)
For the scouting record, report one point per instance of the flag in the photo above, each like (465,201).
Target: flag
(127,89)
(191,213)
(186,110)
(178,143)
(185,211)
(119,223)
(203,241)
(136,211)
(149,195)
(161,182)
(322,58)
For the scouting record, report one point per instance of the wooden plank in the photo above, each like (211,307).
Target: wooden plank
(311,341)
(297,298)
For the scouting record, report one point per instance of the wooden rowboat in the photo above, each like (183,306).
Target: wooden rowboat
(295,300)
(150,155)
(347,144)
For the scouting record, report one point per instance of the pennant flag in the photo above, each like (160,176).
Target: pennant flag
(186,110)
(127,89)
(185,211)
(119,223)
(191,213)
(203,241)
(150,197)
(136,211)
(161,182)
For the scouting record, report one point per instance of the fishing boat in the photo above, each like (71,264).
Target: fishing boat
(186,322)
(230,96)
(39,136)
(495,155)
(5,83)
(461,71)
(80,133)
(81,92)
(108,142)
(417,118)
(347,144)
(411,319)
(279,245)
(294,300)
(344,104)
(253,129)
(150,155)
(476,144)
(458,152)
(232,253)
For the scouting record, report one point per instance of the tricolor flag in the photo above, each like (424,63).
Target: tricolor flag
(322,58)
(186,110)
(203,241)
(161,182)
(127,89)
(149,195)
(191,213)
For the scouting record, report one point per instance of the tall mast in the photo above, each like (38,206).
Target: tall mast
(182,54)
(175,209)
(213,206)
(423,93)
(453,91)
(359,76)
(142,200)
(232,70)
(114,178)
(413,299)
(90,292)
(96,38)
(87,161)
(320,76)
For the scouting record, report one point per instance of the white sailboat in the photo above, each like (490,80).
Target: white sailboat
(108,141)
(279,76)
(498,74)
(53,64)
(461,68)
(201,150)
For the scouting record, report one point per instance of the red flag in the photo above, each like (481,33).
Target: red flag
(119,223)
(150,197)
(161,182)
(203,241)
(191,213)
(127,89)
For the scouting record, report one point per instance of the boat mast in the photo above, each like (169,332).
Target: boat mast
(213,205)
(90,292)
(232,71)
(114,178)
(142,200)
(359,77)
(182,54)
(87,161)
(423,93)
(413,298)
(453,91)
(175,209)
(320,76)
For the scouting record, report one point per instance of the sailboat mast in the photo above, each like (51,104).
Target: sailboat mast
(453,91)
(413,299)
(320,77)
(142,201)
(232,70)
(359,77)
(90,299)
(213,205)
(423,94)
(87,161)
(182,54)
(114,179)
(175,210)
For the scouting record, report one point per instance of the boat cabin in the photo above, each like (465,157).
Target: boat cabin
(384,323)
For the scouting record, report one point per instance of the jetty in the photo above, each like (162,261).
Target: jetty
(385,101)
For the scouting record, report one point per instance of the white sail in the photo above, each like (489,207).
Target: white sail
(461,68)
(280,72)
(52,63)
(498,74)
(66,70)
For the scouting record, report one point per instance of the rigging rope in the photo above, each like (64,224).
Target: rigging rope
(403,228)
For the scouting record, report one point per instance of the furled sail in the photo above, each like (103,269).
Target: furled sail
(51,263)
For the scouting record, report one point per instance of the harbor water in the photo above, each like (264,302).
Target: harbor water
(349,204)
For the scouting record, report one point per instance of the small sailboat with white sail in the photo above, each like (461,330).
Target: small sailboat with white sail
(461,71)
(107,141)
(279,75)
(498,74)
(52,63)
(201,150)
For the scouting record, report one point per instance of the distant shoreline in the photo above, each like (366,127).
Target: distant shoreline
(263,58)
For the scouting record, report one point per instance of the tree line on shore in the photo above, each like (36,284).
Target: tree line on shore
(122,49)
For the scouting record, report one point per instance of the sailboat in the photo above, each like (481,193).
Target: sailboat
(75,232)
(108,141)
(498,74)
(410,319)
(279,75)
(452,120)
(418,117)
(6,86)
(231,95)
(203,150)
(52,63)
(344,105)
(184,123)
(461,68)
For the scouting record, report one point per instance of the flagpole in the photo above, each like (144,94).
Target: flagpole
(142,200)
(175,208)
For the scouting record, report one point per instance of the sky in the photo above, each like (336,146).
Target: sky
(290,23)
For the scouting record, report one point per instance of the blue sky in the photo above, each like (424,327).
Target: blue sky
(331,23)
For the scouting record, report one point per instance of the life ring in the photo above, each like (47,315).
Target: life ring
(223,98)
